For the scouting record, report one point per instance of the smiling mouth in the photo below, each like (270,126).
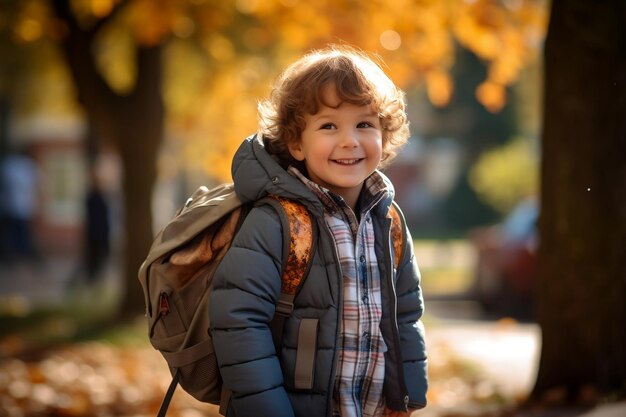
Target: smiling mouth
(347,161)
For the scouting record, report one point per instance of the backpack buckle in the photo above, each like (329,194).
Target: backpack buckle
(284,308)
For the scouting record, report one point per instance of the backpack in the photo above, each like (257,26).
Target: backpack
(177,274)
(176,280)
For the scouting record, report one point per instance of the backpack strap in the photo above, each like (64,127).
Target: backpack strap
(169,394)
(298,238)
(300,250)
(298,231)
(397,233)
(297,265)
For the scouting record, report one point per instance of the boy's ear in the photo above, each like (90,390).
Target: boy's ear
(295,149)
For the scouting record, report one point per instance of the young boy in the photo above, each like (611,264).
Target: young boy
(332,120)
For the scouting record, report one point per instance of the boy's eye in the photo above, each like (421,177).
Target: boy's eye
(362,125)
(327,126)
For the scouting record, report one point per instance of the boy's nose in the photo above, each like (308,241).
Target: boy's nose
(349,139)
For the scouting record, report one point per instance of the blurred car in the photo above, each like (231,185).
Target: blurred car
(505,271)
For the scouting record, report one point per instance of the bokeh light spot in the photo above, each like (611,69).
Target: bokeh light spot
(390,40)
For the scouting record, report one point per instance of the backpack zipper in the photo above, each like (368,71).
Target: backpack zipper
(164,305)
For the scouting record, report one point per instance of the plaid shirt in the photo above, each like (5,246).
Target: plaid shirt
(361,368)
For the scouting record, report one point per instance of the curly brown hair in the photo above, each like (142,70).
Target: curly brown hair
(357,79)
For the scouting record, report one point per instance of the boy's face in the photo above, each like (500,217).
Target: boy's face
(340,145)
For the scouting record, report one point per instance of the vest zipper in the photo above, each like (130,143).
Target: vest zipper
(394,316)
(333,372)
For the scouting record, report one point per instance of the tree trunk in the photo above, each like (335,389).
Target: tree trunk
(582,255)
(140,136)
(134,123)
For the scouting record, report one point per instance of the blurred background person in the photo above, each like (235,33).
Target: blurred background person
(18,206)
(97,237)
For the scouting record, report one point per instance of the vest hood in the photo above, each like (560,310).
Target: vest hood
(257,174)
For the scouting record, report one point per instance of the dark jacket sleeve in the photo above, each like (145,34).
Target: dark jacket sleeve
(246,287)
(412,338)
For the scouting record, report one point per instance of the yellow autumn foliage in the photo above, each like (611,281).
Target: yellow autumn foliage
(514,164)
(222,55)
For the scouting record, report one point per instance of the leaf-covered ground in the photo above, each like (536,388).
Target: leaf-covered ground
(101,379)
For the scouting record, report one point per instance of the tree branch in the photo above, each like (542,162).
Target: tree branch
(92,88)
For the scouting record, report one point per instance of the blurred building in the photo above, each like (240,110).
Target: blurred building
(57,147)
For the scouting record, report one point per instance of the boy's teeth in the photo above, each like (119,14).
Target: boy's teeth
(346,161)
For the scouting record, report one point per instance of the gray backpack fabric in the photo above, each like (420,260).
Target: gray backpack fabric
(176,280)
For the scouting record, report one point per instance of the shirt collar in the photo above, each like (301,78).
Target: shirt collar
(374,190)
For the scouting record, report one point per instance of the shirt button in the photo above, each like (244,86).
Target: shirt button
(365,299)
(362,258)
